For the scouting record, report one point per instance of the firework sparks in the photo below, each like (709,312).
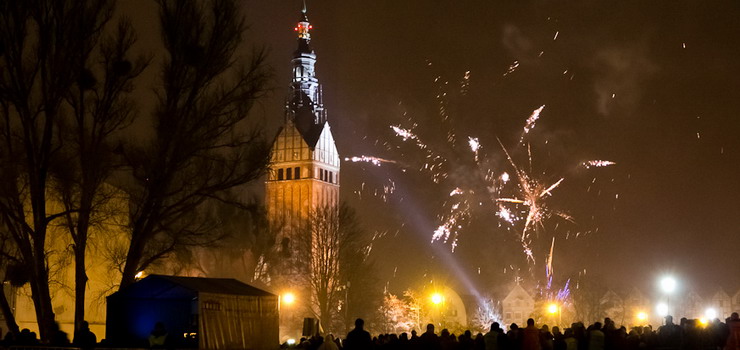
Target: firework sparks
(531,121)
(369,159)
(533,193)
(505,177)
(505,214)
(512,68)
(406,134)
(474,146)
(549,272)
(597,164)
(465,84)
(518,197)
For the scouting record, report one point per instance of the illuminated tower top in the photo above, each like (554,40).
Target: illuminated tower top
(304,26)
(304,106)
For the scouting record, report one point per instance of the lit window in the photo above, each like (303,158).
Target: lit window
(297,173)
(280,174)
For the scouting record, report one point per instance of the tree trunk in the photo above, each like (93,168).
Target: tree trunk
(8,313)
(133,258)
(42,301)
(80,280)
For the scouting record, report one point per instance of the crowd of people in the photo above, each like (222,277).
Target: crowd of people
(83,338)
(688,334)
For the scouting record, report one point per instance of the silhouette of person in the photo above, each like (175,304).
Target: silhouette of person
(430,340)
(733,339)
(491,338)
(358,338)
(58,337)
(84,338)
(531,338)
(158,336)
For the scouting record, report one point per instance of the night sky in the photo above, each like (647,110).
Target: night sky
(650,85)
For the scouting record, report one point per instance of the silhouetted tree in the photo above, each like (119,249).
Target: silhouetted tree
(331,255)
(101,106)
(42,45)
(200,149)
(587,304)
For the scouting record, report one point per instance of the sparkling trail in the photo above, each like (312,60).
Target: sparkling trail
(531,121)
(370,159)
(597,164)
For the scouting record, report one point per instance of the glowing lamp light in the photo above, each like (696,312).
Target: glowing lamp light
(662,309)
(139,275)
(552,308)
(710,313)
(668,284)
(289,298)
(642,316)
(291,341)
(437,299)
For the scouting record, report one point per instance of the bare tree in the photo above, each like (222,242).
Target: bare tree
(198,152)
(99,110)
(332,253)
(587,303)
(41,44)
(363,291)
(321,246)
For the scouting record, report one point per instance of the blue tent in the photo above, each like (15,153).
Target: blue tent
(207,313)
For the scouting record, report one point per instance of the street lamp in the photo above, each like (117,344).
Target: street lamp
(438,300)
(288,298)
(662,309)
(668,284)
(710,313)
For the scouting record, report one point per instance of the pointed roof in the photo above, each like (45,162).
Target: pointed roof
(305,120)
(518,291)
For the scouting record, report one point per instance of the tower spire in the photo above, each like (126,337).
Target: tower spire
(304,105)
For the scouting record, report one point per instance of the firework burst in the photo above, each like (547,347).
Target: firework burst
(480,180)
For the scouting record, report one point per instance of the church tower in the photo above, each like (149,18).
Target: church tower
(304,172)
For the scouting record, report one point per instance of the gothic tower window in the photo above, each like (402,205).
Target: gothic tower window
(331,177)
(297,173)
(288,174)
(280,174)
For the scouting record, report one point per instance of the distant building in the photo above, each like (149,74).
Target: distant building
(449,312)
(614,307)
(304,171)
(693,305)
(302,181)
(722,303)
(517,306)
(637,301)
